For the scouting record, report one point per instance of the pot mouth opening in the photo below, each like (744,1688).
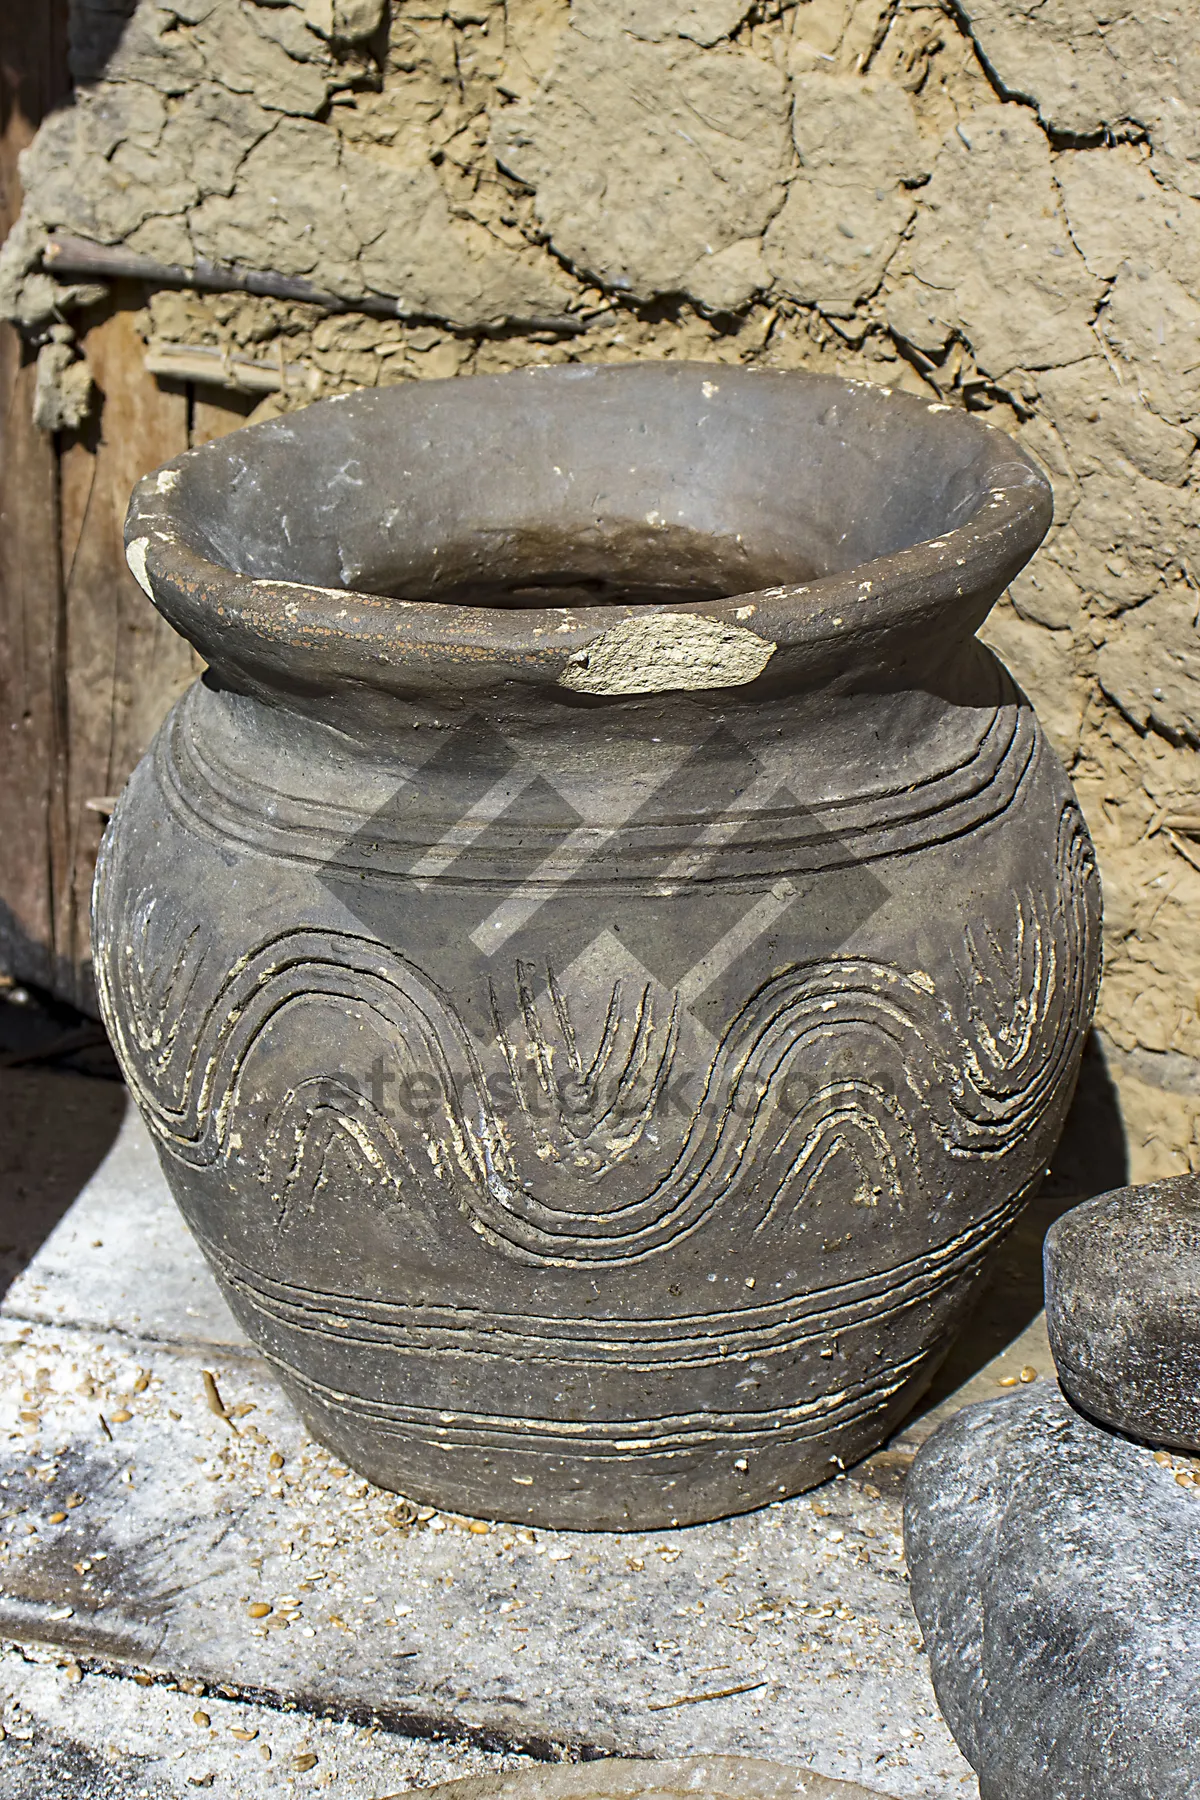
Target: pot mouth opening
(518,513)
(608,561)
(542,590)
(642,485)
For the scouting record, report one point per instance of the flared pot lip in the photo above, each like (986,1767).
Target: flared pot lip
(275,636)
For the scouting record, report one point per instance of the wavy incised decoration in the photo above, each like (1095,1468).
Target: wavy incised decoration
(845,1074)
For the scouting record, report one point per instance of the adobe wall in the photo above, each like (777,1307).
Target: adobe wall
(991,203)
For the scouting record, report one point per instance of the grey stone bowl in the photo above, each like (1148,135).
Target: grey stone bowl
(1123,1309)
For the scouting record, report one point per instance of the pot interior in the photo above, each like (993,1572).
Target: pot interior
(583,485)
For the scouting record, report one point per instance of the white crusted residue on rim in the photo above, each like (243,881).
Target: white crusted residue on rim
(664,651)
(135,556)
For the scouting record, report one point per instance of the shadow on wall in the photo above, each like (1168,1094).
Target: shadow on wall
(1091,1158)
(1092,1154)
(34,81)
(96,32)
(60,1110)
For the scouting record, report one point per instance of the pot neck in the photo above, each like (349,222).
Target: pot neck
(903,623)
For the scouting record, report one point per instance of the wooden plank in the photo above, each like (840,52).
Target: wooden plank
(87,667)
(124,664)
(32,812)
(215,414)
(33,835)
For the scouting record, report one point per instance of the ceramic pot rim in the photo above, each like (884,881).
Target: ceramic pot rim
(268,634)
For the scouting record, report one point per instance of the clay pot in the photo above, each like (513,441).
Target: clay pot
(604,952)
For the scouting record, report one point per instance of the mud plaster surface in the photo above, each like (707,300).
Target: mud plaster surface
(999,206)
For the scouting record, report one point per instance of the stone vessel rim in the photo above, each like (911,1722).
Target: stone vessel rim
(293,557)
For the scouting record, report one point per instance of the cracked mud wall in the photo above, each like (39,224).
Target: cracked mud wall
(990,203)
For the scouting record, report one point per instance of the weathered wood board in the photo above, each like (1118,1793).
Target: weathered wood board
(33,834)
(87,667)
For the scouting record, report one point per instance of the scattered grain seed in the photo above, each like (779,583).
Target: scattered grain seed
(74,1500)
(264,1750)
(144,1680)
(142,1382)
(259,1609)
(1184,1479)
(121,1417)
(212,1394)
(58,1518)
(1028,1374)
(202,1719)
(274,1461)
(242,1734)
(305,1761)
(1162,1458)
(480,1527)
(73,1672)
(1007,1381)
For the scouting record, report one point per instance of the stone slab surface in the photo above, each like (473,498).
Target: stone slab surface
(636,1778)
(75,1732)
(786,1634)
(519,1639)
(122,1259)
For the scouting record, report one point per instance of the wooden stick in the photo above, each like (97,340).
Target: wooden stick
(745,1687)
(79,257)
(1187,853)
(241,374)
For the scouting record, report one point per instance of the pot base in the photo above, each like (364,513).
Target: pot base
(654,1489)
(608,1423)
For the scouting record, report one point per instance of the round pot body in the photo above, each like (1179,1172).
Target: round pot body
(604,952)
